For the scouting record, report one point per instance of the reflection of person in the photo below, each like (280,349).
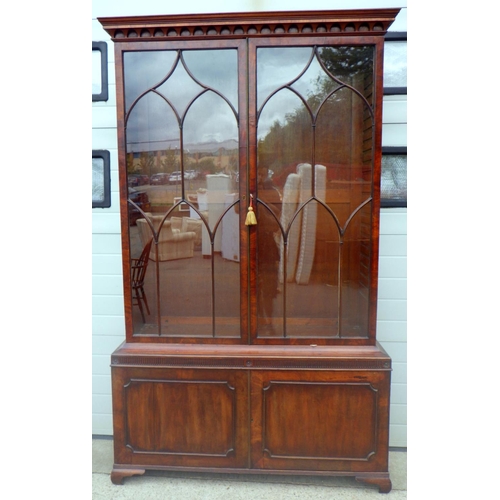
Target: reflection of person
(268,253)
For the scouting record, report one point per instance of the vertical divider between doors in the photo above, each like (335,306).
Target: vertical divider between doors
(250,185)
(246,232)
(245,196)
(250,427)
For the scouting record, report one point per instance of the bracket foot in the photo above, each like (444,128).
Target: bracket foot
(381,480)
(118,475)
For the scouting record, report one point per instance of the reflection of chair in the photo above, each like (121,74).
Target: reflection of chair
(172,243)
(138,270)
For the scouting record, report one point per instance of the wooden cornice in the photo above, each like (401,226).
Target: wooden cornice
(251,24)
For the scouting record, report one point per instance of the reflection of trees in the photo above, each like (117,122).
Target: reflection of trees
(169,162)
(146,163)
(328,116)
(345,63)
(207,165)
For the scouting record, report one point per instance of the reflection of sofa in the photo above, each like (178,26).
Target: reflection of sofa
(172,243)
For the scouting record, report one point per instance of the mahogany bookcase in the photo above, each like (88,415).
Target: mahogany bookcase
(251,327)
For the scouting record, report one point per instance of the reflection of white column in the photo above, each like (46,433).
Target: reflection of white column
(309,218)
(291,192)
(230,231)
(217,188)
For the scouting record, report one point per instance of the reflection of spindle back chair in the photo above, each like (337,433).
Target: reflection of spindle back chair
(138,270)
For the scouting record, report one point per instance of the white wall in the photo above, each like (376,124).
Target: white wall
(108,329)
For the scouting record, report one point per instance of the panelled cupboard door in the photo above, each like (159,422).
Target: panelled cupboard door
(305,420)
(188,418)
(215,130)
(320,420)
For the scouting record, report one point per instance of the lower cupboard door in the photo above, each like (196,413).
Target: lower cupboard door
(320,421)
(190,418)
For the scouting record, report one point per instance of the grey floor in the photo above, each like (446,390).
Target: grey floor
(199,486)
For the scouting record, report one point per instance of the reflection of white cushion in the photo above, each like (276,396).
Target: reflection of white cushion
(309,217)
(291,192)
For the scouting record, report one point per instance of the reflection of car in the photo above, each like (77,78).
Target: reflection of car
(160,178)
(190,174)
(141,199)
(137,180)
(175,177)
(133,180)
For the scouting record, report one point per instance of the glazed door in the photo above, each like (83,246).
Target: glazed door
(313,143)
(186,161)
(214,128)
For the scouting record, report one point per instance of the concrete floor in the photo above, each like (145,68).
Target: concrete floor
(199,486)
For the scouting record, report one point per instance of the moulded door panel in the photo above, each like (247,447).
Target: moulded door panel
(180,418)
(319,420)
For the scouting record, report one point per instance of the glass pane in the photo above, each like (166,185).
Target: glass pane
(291,61)
(394,177)
(351,65)
(315,139)
(96,72)
(152,128)
(268,214)
(284,136)
(395,64)
(182,159)
(145,70)
(180,89)
(218,71)
(311,293)
(97,179)
(343,146)
(355,275)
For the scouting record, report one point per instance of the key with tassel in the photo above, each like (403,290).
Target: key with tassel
(251,220)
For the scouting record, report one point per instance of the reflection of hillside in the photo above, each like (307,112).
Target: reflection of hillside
(155,147)
(211,147)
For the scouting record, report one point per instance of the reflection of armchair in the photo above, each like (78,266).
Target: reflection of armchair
(186,224)
(193,225)
(138,269)
(172,243)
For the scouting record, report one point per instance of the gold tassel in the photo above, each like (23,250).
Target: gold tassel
(251,219)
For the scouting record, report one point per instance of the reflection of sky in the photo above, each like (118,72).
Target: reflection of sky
(275,109)
(209,118)
(278,66)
